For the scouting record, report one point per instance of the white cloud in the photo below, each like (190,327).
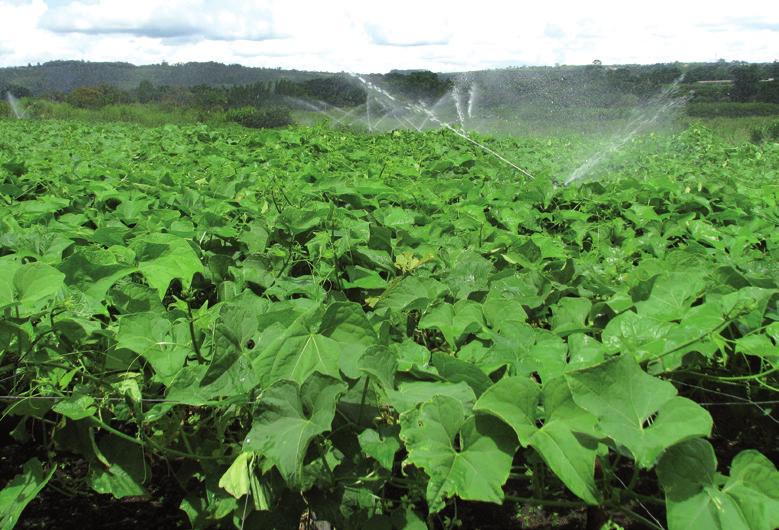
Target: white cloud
(378,36)
(407,22)
(227,20)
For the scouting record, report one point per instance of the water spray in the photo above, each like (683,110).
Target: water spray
(458,105)
(16,108)
(431,116)
(664,103)
(471,99)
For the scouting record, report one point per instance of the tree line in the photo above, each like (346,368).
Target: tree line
(594,85)
(337,90)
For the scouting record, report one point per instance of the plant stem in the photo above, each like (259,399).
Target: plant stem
(362,399)
(723,325)
(645,498)
(195,345)
(735,377)
(643,520)
(633,479)
(140,442)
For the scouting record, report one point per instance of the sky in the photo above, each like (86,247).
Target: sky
(371,36)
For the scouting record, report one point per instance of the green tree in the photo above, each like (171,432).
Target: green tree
(86,97)
(97,96)
(745,82)
(16,90)
(768,91)
(209,98)
(146,91)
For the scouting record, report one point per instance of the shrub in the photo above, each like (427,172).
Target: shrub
(96,97)
(772,132)
(260,118)
(732,110)
(707,93)
(756,136)
(768,91)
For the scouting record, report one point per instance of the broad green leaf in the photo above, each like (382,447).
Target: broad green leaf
(453,321)
(759,345)
(672,294)
(362,278)
(346,323)
(549,246)
(380,363)
(76,407)
(486,357)
(411,393)
(255,237)
(287,419)
(232,339)
(567,440)
(642,337)
(751,302)
(569,315)
(463,455)
(522,287)
(637,410)
(164,344)
(697,498)
(584,351)
(503,306)
(165,257)
(93,272)
(641,215)
(134,298)
(8,268)
(35,284)
(299,351)
(698,322)
(704,232)
(380,447)
(19,491)
(407,520)
(184,388)
(410,293)
(547,356)
(754,484)
(456,370)
(410,355)
(571,460)
(470,273)
(397,217)
(127,469)
(236,480)
(515,401)
(559,405)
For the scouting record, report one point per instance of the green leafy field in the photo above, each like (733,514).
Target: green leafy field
(379,330)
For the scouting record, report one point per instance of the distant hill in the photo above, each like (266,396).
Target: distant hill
(64,76)
(564,85)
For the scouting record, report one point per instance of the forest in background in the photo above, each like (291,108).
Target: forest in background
(264,97)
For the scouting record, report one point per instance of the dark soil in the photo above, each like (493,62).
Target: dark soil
(490,517)
(55,509)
